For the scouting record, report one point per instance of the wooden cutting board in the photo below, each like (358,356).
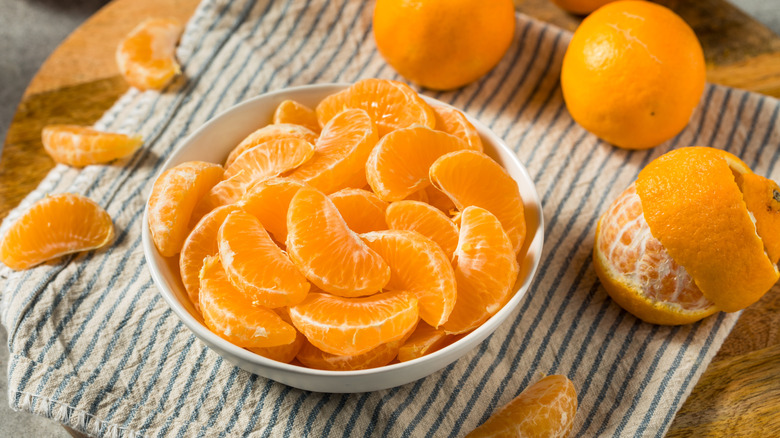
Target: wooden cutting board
(738,395)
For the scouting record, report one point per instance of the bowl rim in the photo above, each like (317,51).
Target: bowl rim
(212,339)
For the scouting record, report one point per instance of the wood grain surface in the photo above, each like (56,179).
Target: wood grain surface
(739,393)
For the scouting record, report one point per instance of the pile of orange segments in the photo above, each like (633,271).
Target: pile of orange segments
(347,236)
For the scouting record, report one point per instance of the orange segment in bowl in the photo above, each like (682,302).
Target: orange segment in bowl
(424,340)
(485,268)
(362,210)
(256,266)
(473,178)
(398,165)
(54,226)
(328,253)
(351,326)
(282,353)
(453,122)
(146,57)
(268,133)
(418,264)
(294,113)
(234,317)
(173,199)
(378,356)
(340,153)
(694,207)
(426,220)
(268,201)
(440,200)
(81,146)
(225,192)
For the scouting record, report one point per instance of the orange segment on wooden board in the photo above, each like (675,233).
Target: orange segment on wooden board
(266,160)
(473,178)
(54,226)
(762,198)
(426,220)
(390,104)
(256,266)
(328,253)
(485,268)
(292,112)
(638,273)
(282,353)
(81,146)
(268,133)
(362,210)
(340,153)
(378,356)
(694,207)
(454,122)
(398,165)
(234,317)
(351,326)
(417,264)
(424,340)
(173,198)
(268,201)
(201,242)
(545,409)
(146,57)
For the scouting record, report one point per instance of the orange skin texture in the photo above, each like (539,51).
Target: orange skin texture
(633,74)
(443,44)
(81,146)
(762,197)
(581,7)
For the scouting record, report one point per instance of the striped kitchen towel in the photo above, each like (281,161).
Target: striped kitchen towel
(94,346)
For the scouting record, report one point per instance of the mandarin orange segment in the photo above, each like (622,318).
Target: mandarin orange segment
(426,220)
(173,199)
(378,356)
(473,178)
(234,317)
(340,153)
(146,57)
(268,201)
(440,200)
(762,198)
(294,113)
(485,268)
(390,104)
(201,242)
(694,207)
(54,226)
(454,122)
(638,273)
(225,192)
(81,146)
(352,326)
(418,264)
(362,210)
(256,266)
(268,133)
(424,340)
(328,253)
(282,353)
(545,409)
(266,160)
(398,165)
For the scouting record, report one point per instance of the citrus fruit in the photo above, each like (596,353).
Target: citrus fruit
(545,409)
(292,112)
(424,340)
(268,201)
(225,192)
(454,122)
(418,265)
(390,104)
(340,153)
(484,184)
(234,317)
(54,226)
(146,57)
(352,326)
(581,7)
(81,146)
(379,356)
(426,220)
(282,353)
(443,44)
(271,132)
(398,165)
(256,266)
(173,198)
(201,242)
(327,252)
(762,199)
(266,160)
(633,74)
(485,269)
(362,210)
(439,199)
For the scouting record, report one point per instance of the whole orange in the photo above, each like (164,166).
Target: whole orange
(443,44)
(633,74)
(581,7)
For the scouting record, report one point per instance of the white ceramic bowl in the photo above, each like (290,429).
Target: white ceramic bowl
(214,140)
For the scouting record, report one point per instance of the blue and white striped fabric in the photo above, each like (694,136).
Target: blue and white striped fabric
(93,345)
